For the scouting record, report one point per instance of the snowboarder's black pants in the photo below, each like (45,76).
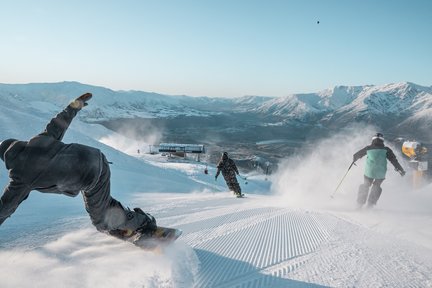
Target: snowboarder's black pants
(232,183)
(364,191)
(99,204)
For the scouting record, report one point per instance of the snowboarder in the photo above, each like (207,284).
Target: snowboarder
(229,171)
(46,164)
(375,169)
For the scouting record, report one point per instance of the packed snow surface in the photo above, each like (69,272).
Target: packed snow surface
(286,232)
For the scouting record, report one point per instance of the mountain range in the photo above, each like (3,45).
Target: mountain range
(269,127)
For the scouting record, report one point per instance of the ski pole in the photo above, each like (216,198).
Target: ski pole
(244,178)
(334,192)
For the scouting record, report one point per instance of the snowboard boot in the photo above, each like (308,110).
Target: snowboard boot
(136,221)
(149,223)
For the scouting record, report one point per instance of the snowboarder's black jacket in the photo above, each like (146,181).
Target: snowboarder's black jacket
(227,166)
(46,164)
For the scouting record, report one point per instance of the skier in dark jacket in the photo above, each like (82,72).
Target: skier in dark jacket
(47,165)
(375,169)
(229,171)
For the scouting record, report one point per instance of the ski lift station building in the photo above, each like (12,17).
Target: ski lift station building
(181,149)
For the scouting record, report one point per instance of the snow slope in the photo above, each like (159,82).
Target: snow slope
(295,237)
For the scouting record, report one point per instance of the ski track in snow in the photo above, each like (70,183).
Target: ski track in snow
(250,243)
(226,242)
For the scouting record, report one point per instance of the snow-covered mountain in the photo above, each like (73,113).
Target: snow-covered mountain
(360,102)
(108,104)
(400,109)
(355,102)
(111,104)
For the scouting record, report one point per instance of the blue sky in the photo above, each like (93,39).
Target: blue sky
(217,48)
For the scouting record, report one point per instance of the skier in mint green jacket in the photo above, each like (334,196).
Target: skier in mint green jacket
(375,169)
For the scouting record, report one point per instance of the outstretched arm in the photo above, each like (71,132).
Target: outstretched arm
(392,158)
(359,154)
(219,167)
(58,125)
(12,197)
(217,172)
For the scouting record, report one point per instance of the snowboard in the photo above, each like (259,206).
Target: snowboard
(241,195)
(162,237)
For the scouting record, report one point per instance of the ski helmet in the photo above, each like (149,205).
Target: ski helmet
(378,136)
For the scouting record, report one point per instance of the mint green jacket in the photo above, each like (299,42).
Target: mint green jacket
(376,162)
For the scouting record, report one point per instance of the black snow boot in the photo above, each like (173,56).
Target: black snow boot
(136,221)
(149,223)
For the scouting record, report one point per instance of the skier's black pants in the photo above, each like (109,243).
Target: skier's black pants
(98,200)
(364,191)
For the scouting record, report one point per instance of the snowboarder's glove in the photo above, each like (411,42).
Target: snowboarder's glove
(215,178)
(81,101)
